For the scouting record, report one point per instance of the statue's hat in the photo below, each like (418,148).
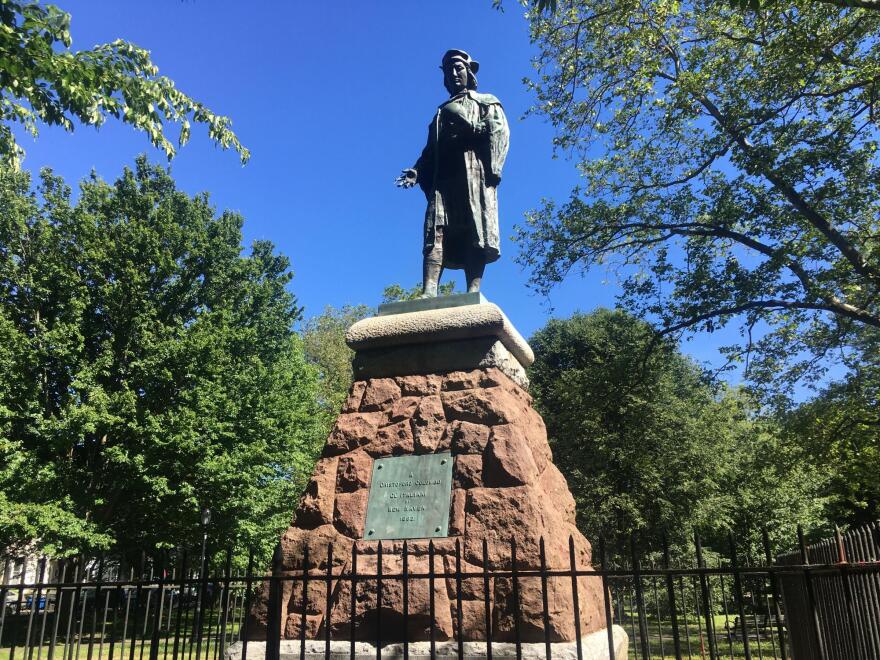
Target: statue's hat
(456,54)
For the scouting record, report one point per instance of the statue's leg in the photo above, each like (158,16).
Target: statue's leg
(473,270)
(432,266)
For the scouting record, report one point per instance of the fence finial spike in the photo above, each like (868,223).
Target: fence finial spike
(841,548)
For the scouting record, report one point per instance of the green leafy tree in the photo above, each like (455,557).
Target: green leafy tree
(148,368)
(43,81)
(549,6)
(648,446)
(756,5)
(841,428)
(729,166)
(325,348)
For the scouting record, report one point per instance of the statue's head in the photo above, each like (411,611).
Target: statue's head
(459,71)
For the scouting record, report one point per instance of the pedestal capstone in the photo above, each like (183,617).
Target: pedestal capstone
(441,378)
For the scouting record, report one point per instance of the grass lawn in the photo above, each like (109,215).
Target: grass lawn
(119,649)
(695,643)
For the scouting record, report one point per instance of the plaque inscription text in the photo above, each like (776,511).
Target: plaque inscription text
(409,497)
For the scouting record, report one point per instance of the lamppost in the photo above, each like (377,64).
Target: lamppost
(206,520)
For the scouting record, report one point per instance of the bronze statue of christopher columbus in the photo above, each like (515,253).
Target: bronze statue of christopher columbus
(459,171)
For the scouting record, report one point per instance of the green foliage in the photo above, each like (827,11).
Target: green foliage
(648,446)
(550,6)
(841,429)
(325,348)
(730,171)
(147,369)
(755,5)
(42,81)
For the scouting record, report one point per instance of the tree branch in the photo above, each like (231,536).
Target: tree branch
(699,169)
(831,302)
(754,304)
(854,4)
(835,237)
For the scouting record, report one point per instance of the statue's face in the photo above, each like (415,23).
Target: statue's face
(456,76)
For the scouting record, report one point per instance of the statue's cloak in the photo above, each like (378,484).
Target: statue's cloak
(459,171)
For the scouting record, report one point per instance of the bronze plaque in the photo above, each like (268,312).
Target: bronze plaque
(409,497)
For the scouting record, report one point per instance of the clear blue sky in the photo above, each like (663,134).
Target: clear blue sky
(333,99)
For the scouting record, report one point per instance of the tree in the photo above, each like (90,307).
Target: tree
(325,348)
(755,5)
(649,446)
(148,368)
(730,170)
(43,81)
(840,428)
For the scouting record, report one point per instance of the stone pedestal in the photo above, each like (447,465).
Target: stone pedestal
(593,647)
(448,379)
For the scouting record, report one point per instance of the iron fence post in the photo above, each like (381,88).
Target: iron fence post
(138,590)
(157,621)
(379,601)
(248,584)
(458,604)
(774,583)
(179,618)
(738,594)
(811,596)
(487,606)
(353,604)
(606,589)
(329,603)
(405,589)
(3,591)
(35,607)
(17,609)
(516,604)
(544,604)
(704,591)
(848,594)
(670,590)
(224,602)
(273,625)
(431,605)
(305,602)
(640,599)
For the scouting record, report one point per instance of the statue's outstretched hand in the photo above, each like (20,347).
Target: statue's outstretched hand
(407,178)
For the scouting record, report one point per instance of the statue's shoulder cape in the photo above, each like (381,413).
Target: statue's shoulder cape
(484,99)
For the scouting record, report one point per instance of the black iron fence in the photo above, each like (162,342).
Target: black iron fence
(95,609)
(835,614)
(718,609)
